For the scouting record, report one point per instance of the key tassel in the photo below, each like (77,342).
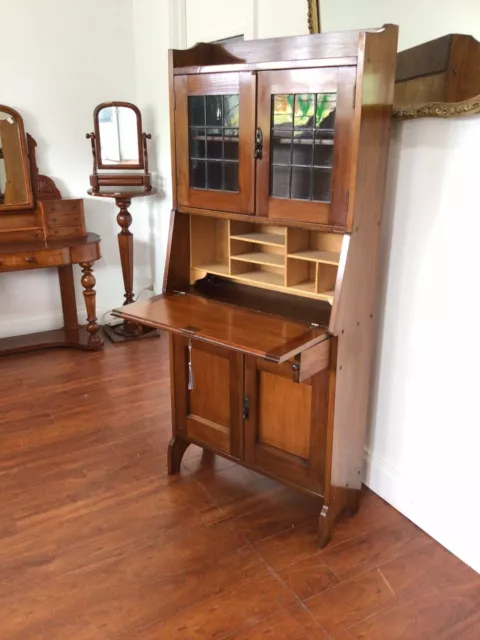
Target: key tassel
(191,379)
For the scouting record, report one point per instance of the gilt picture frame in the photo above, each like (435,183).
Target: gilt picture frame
(314,23)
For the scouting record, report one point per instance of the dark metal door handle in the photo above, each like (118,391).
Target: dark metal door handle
(258,143)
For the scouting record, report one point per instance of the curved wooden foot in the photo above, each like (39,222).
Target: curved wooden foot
(88,283)
(325,526)
(176,449)
(345,502)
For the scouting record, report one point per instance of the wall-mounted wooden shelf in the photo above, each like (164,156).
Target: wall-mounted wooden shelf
(438,79)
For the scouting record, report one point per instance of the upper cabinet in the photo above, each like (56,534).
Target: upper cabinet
(304,117)
(274,128)
(214,124)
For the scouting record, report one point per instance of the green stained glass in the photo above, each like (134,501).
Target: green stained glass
(325,110)
(304,110)
(301,146)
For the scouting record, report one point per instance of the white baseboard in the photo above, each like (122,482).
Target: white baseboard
(25,324)
(453,525)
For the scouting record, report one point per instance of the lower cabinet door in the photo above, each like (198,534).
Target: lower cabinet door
(211,412)
(286,427)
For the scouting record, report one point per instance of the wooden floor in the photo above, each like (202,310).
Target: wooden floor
(98,543)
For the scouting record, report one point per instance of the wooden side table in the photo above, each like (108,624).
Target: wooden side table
(127,330)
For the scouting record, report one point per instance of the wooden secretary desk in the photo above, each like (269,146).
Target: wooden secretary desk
(279,152)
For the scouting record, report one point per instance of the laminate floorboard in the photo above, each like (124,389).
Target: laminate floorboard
(97,542)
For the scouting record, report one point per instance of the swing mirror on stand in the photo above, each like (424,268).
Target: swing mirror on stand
(119,148)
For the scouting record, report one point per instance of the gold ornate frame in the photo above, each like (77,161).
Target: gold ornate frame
(410,112)
(314,24)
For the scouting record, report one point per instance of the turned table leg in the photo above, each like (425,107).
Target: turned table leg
(88,283)
(125,244)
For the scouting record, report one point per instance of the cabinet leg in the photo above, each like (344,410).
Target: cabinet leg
(88,283)
(176,449)
(345,502)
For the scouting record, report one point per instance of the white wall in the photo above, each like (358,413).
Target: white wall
(425,417)
(59,60)
(209,20)
(419,21)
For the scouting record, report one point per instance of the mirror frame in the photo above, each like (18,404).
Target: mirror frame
(98,146)
(12,208)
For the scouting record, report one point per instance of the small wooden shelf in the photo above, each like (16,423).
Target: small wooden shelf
(307,287)
(260,257)
(216,268)
(274,239)
(262,277)
(314,255)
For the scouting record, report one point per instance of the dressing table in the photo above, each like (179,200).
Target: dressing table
(39,229)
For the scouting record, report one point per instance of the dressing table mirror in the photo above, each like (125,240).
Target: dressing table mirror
(40,229)
(120,171)
(15,188)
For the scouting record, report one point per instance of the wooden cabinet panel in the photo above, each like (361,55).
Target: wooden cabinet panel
(211,412)
(285,427)
(286,439)
(306,120)
(214,143)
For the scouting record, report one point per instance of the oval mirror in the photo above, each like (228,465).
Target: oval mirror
(15,188)
(119,136)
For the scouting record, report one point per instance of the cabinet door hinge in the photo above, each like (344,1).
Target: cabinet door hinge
(246,408)
(354,94)
(347,200)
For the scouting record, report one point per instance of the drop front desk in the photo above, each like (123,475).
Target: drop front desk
(279,152)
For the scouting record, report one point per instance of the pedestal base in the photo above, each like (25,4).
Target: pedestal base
(119,334)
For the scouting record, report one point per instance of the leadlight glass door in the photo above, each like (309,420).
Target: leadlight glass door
(305,118)
(214,132)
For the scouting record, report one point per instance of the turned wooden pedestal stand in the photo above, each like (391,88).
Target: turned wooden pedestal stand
(123,199)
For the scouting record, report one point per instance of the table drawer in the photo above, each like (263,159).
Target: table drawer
(66,232)
(35,259)
(64,213)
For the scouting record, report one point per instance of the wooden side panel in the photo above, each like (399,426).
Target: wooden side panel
(463,73)
(353,320)
(419,90)
(177,263)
